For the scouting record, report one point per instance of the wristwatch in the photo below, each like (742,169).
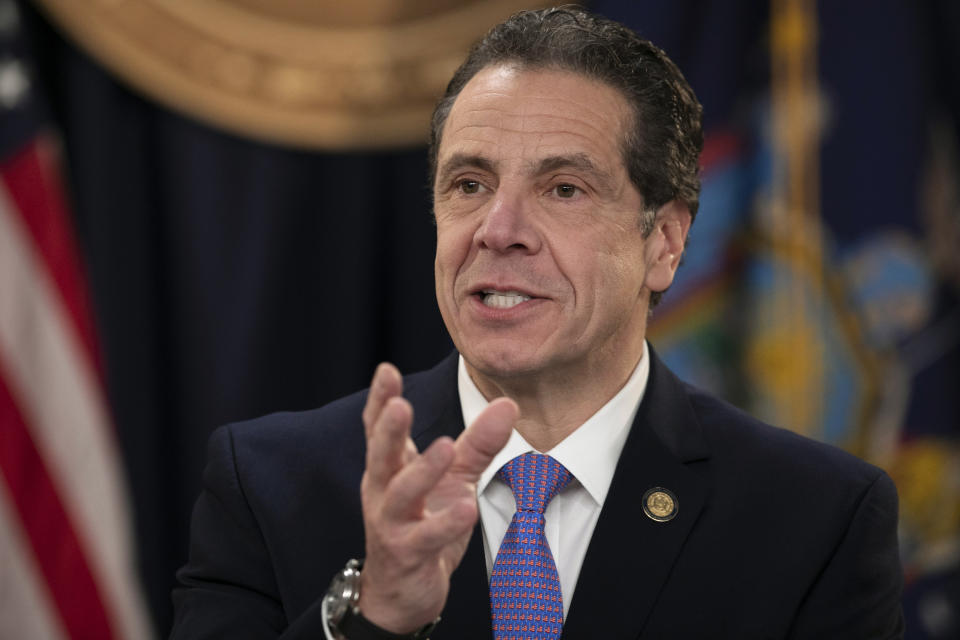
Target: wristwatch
(343,618)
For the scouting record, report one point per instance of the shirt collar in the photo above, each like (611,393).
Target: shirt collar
(591,452)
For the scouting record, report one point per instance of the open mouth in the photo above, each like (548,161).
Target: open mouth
(501,299)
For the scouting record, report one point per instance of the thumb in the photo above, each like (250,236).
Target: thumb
(483,439)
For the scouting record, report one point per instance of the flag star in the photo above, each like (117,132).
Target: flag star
(14,83)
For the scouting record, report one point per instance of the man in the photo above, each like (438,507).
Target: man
(565,181)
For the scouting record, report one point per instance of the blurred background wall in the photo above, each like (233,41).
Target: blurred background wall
(225,205)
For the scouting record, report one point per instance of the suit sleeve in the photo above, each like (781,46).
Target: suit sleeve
(857,594)
(228,589)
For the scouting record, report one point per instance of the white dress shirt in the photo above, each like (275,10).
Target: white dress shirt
(590,453)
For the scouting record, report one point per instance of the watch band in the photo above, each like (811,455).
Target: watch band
(353,626)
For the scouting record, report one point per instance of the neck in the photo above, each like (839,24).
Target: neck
(554,404)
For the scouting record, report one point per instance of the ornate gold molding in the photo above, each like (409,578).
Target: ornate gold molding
(309,73)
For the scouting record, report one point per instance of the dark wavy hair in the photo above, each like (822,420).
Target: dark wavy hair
(661,150)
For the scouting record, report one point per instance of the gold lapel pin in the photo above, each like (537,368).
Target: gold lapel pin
(660,504)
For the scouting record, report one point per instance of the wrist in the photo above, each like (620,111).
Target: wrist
(343,619)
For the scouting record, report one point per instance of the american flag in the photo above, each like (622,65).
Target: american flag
(67,563)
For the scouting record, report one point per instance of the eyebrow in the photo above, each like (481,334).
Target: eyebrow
(460,160)
(578,161)
(581,162)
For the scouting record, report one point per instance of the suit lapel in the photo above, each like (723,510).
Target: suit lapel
(630,555)
(437,412)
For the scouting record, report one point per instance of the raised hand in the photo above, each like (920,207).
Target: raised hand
(418,508)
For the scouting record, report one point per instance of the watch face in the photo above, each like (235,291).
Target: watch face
(342,593)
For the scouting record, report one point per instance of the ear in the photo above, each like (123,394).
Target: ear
(664,245)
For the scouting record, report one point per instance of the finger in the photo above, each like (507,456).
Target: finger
(483,439)
(442,527)
(387,446)
(387,383)
(407,491)
(410,452)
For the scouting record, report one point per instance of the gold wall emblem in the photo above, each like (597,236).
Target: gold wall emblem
(317,74)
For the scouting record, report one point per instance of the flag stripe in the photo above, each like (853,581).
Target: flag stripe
(26,610)
(48,527)
(33,185)
(50,374)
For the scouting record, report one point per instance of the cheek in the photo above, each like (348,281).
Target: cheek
(593,264)
(626,276)
(453,243)
(611,281)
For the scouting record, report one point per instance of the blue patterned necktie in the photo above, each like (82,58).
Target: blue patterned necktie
(525,598)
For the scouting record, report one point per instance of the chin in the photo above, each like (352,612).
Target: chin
(504,360)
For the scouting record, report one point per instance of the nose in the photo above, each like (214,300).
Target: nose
(507,225)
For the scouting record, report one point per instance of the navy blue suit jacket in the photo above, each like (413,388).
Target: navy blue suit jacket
(776,536)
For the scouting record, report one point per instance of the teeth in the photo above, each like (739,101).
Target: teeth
(503,300)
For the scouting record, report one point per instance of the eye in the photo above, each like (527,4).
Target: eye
(469,186)
(565,190)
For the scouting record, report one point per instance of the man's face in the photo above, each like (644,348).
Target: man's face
(541,265)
